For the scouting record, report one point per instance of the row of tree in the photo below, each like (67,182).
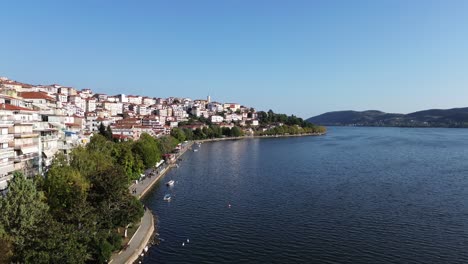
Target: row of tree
(75,213)
(271,117)
(291,130)
(207,132)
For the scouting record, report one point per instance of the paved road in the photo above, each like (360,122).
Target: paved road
(136,246)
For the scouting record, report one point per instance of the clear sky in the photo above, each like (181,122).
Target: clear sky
(296,57)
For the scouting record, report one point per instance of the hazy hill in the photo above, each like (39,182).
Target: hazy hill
(456,117)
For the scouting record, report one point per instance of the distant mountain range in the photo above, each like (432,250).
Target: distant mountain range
(456,117)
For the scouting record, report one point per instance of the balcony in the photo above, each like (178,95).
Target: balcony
(64,146)
(6,123)
(25,157)
(6,138)
(6,169)
(28,147)
(49,138)
(6,153)
(26,135)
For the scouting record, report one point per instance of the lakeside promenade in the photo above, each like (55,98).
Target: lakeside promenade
(143,234)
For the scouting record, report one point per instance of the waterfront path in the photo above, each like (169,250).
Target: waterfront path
(138,242)
(142,236)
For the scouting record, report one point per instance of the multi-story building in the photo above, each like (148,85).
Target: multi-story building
(101,97)
(62,98)
(49,138)
(216,119)
(114,107)
(25,141)
(134,99)
(90,104)
(231,106)
(215,107)
(163,112)
(142,110)
(122,98)
(40,99)
(148,101)
(7,152)
(233,117)
(86,93)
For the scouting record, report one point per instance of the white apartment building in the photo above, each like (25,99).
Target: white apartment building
(148,101)
(142,110)
(114,107)
(134,99)
(25,141)
(216,119)
(90,104)
(48,147)
(231,106)
(7,153)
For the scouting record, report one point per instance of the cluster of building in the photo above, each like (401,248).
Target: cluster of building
(38,121)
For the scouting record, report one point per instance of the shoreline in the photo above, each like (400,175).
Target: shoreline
(255,137)
(147,232)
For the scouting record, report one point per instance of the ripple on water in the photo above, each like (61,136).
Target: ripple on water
(357,195)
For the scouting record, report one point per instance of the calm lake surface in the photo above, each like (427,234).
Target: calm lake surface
(356,195)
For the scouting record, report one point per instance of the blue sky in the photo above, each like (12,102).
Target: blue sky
(295,57)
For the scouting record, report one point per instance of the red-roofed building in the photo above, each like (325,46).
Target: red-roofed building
(38,98)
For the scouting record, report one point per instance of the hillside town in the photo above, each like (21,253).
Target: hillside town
(38,121)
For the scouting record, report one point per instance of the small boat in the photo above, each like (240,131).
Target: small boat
(167,197)
(170,183)
(195,150)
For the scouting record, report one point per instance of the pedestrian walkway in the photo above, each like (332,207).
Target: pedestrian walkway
(139,189)
(144,232)
(138,241)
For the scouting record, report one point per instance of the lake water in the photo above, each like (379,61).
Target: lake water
(356,195)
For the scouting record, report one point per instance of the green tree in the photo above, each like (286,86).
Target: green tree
(148,150)
(54,242)
(198,134)
(102,130)
(6,248)
(178,134)
(109,133)
(167,144)
(22,209)
(208,132)
(66,191)
(188,133)
(226,131)
(217,132)
(131,164)
(109,195)
(236,132)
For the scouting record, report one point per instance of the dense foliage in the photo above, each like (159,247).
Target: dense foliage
(73,214)
(270,123)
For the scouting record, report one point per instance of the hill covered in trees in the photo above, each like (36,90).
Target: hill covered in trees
(456,117)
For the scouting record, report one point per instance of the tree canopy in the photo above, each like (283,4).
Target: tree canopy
(73,214)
